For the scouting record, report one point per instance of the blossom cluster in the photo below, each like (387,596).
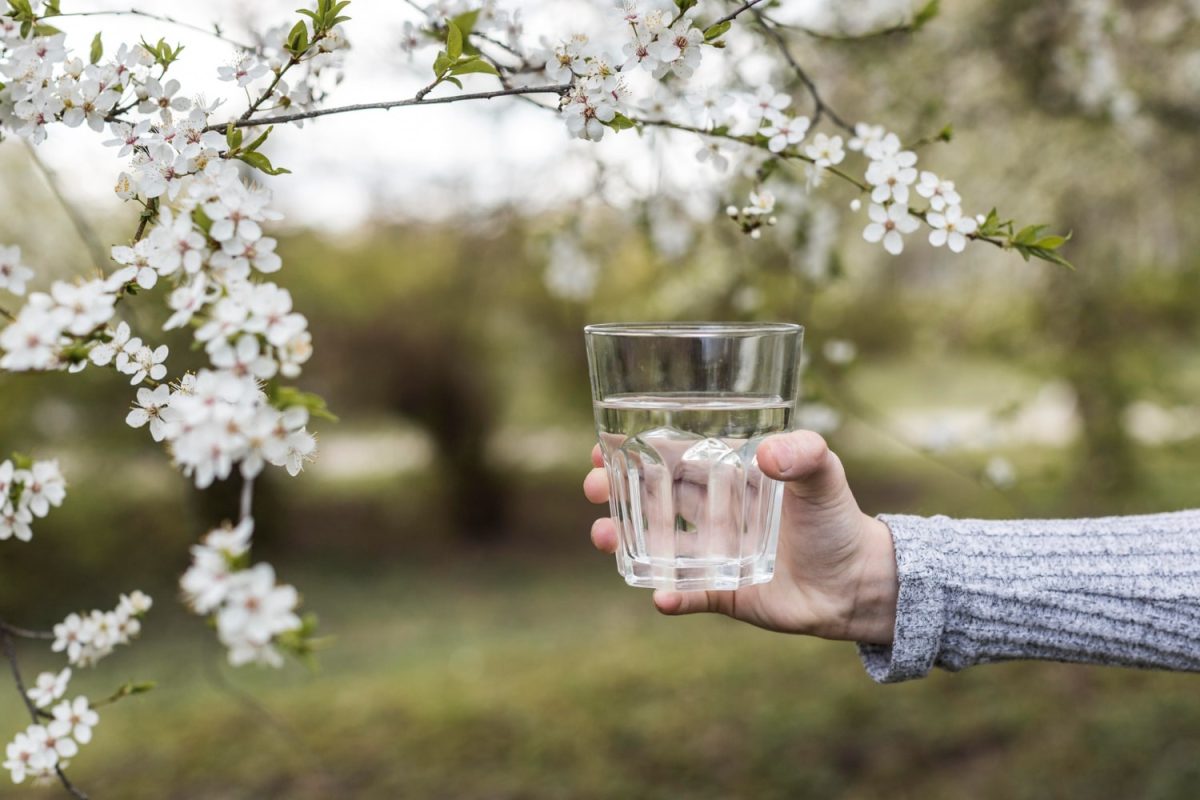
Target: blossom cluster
(662,41)
(42,748)
(86,638)
(48,745)
(202,233)
(50,322)
(207,238)
(892,174)
(215,419)
(26,493)
(252,611)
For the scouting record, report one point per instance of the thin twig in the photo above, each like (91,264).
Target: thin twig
(734,15)
(822,108)
(10,653)
(279,119)
(266,94)
(214,31)
(246,503)
(873,419)
(83,228)
(24,633)
(752,142)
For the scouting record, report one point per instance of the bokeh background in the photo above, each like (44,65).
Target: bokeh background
(447,259)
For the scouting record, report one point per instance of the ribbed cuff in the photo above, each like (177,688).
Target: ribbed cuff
(920,604)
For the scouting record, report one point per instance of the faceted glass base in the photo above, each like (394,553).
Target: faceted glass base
(688,575)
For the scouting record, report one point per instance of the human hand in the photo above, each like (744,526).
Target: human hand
(835,572)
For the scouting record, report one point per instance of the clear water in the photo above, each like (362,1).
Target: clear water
(691,505)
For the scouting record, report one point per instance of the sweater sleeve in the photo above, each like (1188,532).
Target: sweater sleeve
(1118,590)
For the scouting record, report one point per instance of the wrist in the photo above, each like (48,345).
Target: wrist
(872,618)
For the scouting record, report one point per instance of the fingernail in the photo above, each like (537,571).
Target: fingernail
(783,456)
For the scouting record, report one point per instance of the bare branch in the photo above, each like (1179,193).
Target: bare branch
(384,106)
(83,228)
(734,15)
(24,633)
(822,108)
(214,31)
(266,93)
(10,653)
(246,502)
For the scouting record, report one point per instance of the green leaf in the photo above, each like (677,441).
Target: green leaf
(233,136)
(620,122)
(97,49)
(946,134)
(261,162)
(202,220)
(684,5)
(1028,234)
(297,39)
(992,226)
(22,461)
(717,31)
(926,14)
(454,42)
(442,63)
(473,65)
(1052,242)
(262,137)
(466,22)
(1052,256)
(52,9)
(285,397)
(455,81)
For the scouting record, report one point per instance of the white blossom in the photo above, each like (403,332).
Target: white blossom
(887,225)
(149,409)
(782,132)
(13,274)
(951,228)
(77,719)
(48,687)
(940,192)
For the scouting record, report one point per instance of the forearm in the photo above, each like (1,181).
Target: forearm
(1117,590)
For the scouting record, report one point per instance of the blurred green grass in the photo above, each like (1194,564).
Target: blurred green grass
(495,677)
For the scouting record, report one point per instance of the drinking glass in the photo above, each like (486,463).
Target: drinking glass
(681,409)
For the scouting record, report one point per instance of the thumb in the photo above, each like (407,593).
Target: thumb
(804,462)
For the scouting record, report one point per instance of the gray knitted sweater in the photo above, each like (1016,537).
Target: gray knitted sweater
(1115,590)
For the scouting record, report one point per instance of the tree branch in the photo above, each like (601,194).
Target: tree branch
(10,653)
(266,94)
(822,108)
(736,13)
(384,106)
(24,633)
(87,234)
(246,502)
(214,31)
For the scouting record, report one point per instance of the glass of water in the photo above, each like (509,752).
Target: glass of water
(680,411)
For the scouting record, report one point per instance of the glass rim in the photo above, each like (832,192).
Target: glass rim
(692,329)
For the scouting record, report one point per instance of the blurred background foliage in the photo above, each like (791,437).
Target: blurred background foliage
(481,649)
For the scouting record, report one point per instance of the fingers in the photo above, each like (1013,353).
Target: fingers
(803,460)
(674,604)
(597,457)
(604,535)
(595,486)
